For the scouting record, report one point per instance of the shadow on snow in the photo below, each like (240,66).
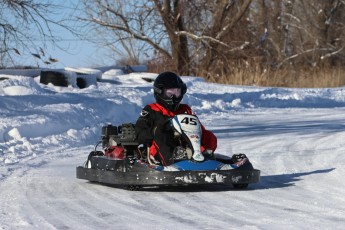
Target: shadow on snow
(297,127)
(284,180)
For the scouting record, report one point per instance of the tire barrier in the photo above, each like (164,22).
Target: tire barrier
(54,77)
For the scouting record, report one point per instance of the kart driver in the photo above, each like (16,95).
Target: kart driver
(153,129)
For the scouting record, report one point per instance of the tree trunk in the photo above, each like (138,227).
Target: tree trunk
(172,16)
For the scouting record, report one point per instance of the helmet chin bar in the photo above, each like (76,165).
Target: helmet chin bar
(169,103)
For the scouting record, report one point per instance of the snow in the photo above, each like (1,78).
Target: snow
(294,136)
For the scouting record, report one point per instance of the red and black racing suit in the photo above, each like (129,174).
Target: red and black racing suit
(160,141)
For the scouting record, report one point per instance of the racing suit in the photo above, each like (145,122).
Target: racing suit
(161,142)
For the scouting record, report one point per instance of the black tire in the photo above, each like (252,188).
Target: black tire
(54,77)
(133,187)
(81,83)
(240,186)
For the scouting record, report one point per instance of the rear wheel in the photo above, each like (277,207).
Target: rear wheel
(240,186)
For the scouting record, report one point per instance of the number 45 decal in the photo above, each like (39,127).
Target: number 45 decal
(189,121)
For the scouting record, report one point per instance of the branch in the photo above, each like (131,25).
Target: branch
(236,18)
(331,54)
(133,34)
(201,38)
(299,54)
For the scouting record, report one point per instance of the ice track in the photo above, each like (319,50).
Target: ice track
(301,186)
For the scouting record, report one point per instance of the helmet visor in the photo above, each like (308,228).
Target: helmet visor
(170,92)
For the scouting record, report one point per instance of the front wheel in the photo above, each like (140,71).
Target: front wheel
(133,187)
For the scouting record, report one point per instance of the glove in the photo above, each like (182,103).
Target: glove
(238,157)
(208,153)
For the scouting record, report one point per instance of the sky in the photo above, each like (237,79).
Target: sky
(69,49)
(294,136)
(78,53)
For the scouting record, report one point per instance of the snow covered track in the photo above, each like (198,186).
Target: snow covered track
(294,136)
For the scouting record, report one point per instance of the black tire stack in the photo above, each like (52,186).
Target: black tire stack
(53,77)
(59,79)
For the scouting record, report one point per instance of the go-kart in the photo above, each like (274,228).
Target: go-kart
(122,161)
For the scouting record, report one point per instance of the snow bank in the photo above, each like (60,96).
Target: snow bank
(19,86)
(295,136)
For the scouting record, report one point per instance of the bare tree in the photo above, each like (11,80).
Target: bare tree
(303,32)
(208,37)
(152,23)
(187,33)
(229,30)
(24,24)
(325,23)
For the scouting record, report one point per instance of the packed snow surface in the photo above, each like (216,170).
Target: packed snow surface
(294,136)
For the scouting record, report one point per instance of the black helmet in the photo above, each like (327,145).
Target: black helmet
(168,80)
